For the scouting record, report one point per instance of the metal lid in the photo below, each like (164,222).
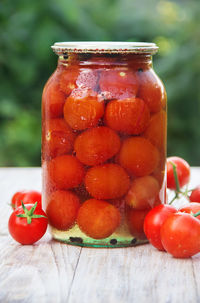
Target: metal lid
(105,47)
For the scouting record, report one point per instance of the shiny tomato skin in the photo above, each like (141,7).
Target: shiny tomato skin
(183,172)
(135,219)
(195,195)
(27,197)
(191,208)
(180,235)
(23,232)
(153,222)
(62,209)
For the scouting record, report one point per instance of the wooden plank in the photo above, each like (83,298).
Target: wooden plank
(42,272)
(53,272)
(140,274)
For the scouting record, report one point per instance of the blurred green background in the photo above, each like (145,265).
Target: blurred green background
(29,28)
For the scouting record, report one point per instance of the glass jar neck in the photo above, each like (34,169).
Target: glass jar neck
(136,61)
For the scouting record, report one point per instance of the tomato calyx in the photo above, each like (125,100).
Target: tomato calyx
(29,214)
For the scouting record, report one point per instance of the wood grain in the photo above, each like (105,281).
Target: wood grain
(50,271)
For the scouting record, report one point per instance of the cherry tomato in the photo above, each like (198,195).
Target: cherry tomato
(27,224)
(135,220)
(153,222)
(183,172)
(66,171)
(151,90)
(142,193)
(62,209)
(118,84)
(139,156)
(53,99)
(129,115)
(107,181)
(59,138)
(96,145)
(157,135)
(27,197)
(67,79)
(83,109)
(180,235)
(98,219)
(191,208)
(195,195)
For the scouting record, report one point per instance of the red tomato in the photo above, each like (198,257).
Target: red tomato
(183,172)
(27,224)
(27,197)
(129,115)
(58,138)
(135,220)
(191,208)
(153,222)
(180,235)
(195,195)
(98,219)
(151,90)
(96,145)
(143,193)
(62,209)
(118,84)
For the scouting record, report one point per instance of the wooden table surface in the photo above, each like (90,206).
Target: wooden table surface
(49,271)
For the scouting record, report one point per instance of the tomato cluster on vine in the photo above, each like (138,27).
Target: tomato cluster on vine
(176,231)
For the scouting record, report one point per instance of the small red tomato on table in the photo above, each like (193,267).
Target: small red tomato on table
(195,195)
(191,208)
(180,235)
(27,197)
(153,222)
(27,224)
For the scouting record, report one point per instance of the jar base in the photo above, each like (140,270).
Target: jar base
(75,237)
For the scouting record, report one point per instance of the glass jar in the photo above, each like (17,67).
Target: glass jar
(103,143)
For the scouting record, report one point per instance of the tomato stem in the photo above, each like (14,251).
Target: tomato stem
(175,197)
(175,177)
(197,214)
(29,214)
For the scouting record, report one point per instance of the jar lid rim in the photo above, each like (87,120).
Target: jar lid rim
(104,47)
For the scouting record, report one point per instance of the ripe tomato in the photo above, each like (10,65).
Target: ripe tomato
(27,197)
(62,209)
(153,222)
(58,138)
(107,181)
(151,90)
(157,135)
(118,84)
(67,79)
(27,224)
(96,145)
(139,156)
(135,220)
(83,109)
(183,172)
(191,208)
(129,115)
(98,219)
(195,195)
(53,99)
(142,193)
(180,235)
(66,171)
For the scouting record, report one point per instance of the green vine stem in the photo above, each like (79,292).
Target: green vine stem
(197,214)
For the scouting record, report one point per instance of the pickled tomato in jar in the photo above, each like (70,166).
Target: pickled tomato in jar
(103,142)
